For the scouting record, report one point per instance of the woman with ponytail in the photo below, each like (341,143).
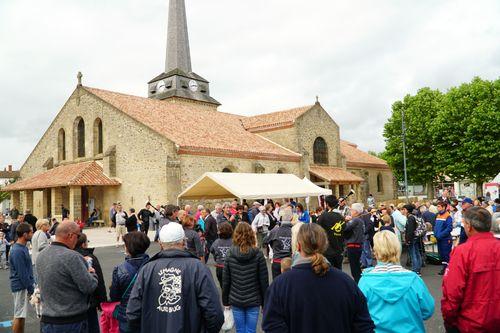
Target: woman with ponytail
(313,296)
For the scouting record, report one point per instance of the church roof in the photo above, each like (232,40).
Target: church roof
(335,175)
(197,128)
(358,158)
(274,120)
(77,174)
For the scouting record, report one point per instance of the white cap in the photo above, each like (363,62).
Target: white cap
(172,233)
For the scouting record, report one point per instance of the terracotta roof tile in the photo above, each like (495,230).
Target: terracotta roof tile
(274,120)
(206,131)
(336,175)
(358,158)
(78,174)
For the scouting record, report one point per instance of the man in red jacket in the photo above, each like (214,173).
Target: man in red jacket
(471,290)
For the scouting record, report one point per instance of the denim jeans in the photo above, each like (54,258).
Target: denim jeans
(366,255)
(416,258)
(80,327)
(245,319)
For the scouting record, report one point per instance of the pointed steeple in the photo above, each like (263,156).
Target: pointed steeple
(179,80)
(178,55)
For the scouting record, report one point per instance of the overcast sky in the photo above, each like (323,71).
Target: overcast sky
(260,56)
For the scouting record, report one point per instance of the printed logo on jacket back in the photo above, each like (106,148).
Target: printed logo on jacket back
(171,290)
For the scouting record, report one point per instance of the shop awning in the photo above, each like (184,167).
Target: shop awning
(77,174)
(221,185)
(335,175)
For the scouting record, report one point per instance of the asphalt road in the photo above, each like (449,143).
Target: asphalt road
(109,257)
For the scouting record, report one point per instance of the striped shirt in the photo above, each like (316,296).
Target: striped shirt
(383,267)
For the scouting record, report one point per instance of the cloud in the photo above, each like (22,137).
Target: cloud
(260,56)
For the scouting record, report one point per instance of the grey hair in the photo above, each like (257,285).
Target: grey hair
(226,205)
(218,206)
(171,245)
(358,207)
(200,207)
(479,218)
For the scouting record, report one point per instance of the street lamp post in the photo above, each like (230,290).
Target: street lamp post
(403,130)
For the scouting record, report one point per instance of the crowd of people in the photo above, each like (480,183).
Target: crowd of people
(174,289)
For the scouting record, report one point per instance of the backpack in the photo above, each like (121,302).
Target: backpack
(421,228)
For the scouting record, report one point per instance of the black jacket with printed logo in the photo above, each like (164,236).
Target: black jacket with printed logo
(280,239)
(175,292)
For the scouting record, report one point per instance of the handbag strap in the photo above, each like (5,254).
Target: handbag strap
(127,265)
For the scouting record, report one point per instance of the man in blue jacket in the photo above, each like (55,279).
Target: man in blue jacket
(21,275)
(174,291)
(442,232)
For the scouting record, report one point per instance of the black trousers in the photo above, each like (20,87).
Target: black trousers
(218,272)
(145,228)
(336,260)
(275,269)
(354,255)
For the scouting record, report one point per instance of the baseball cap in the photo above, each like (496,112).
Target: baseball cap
(171,233)
(467,200)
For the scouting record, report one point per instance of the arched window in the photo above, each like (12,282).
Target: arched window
(380,183)
(320,151)
(226,170)
(79,137)
(61,145)
(280,171)
(98,144)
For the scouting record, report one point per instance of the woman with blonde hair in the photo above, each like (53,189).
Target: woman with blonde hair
(312,296)
(397,298)
(244,279)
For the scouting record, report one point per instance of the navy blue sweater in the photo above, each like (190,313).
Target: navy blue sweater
(300,301)
(21,269)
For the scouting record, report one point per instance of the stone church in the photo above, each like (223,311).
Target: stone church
(105,146)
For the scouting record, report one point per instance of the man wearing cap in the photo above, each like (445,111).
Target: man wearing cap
(174,291)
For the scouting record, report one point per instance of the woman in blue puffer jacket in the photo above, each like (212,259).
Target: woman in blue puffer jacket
(124,275)
(398,299)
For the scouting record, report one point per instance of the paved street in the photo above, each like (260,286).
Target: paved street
(111,256)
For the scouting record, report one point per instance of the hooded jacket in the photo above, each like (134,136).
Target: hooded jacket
(121,278)
(245,278)
(280,239)
(397,299)
(471,295)
(175,292)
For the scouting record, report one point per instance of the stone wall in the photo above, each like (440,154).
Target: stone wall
(318,123)
(370,185)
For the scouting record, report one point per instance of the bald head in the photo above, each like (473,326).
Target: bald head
(67,232)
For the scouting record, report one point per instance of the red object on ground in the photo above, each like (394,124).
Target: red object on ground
(471,293)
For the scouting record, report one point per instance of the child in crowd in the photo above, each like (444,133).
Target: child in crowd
(286,264)
(387,223)
(221,247)
(3,251)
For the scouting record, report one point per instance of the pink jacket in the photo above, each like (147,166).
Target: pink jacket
(107,322)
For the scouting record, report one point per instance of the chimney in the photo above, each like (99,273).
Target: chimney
(9,167)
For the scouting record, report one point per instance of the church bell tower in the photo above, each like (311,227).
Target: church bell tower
(178,79)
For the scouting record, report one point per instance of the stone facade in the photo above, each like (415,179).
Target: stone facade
(150,168)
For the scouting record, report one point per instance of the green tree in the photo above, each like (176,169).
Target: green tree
(421,158)
(466,131)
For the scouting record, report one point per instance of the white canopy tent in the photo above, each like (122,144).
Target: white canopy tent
(222,185)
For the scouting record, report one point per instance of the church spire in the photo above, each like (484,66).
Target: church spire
(178,80)
(178,55)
